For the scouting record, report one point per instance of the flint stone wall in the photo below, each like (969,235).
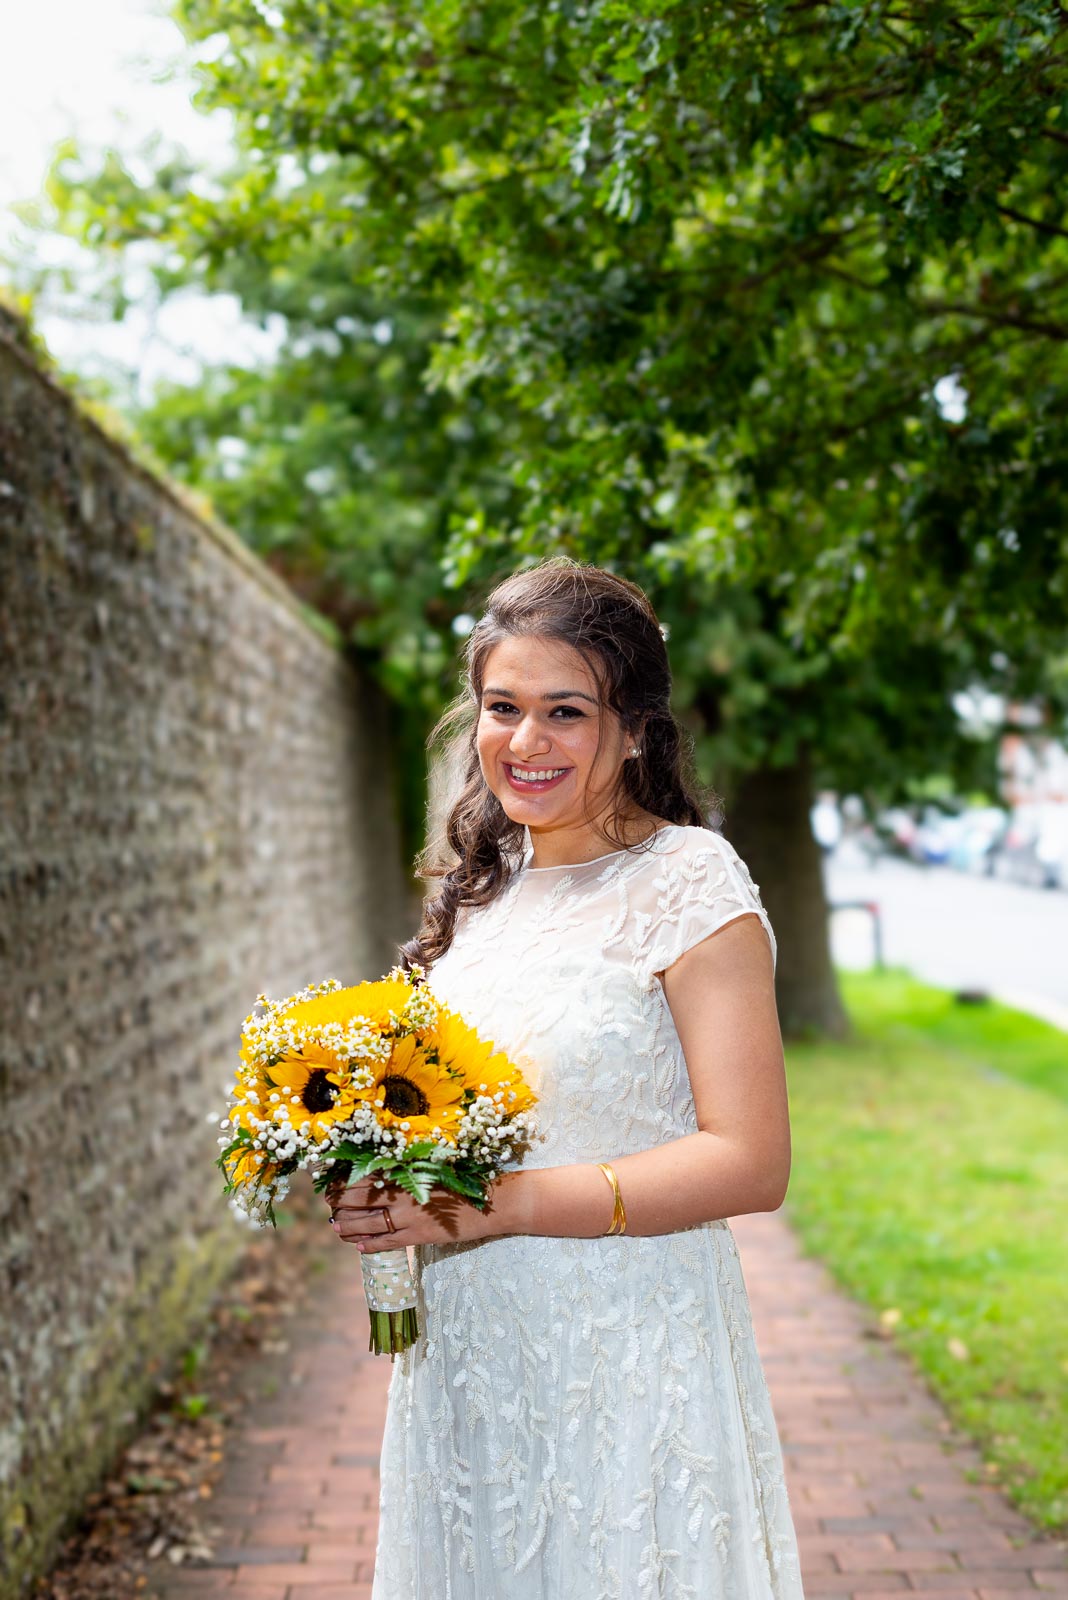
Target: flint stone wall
(195,805)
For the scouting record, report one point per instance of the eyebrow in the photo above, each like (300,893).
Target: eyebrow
(554,694)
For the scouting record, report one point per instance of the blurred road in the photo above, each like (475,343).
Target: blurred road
(956,930)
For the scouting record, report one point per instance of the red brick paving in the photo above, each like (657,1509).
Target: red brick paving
(880,1482)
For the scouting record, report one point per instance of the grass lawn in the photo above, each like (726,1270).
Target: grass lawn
(931,1174)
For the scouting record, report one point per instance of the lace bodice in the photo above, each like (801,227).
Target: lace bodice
(576,999)
(587,1418)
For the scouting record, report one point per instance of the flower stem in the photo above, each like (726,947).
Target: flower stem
(392,1331)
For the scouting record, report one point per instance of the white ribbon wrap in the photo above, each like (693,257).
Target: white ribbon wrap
(387,1280)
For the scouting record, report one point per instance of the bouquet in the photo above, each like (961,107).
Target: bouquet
(375,1079)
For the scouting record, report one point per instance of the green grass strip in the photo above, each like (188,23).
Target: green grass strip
(931,1175)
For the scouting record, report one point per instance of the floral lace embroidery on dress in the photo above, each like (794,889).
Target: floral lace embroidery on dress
(587,1419)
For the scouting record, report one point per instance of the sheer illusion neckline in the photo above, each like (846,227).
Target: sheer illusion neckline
(637,849)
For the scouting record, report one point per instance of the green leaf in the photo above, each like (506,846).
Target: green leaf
(420,1149)
(415,1184)
(460,1183)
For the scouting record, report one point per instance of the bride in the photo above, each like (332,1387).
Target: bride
(586,1417)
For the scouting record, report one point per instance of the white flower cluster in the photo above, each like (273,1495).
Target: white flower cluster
(327,986)
(397,974)
(420,1012)
(252,1205)
(487,1128)
(363,1127)
(275,1035)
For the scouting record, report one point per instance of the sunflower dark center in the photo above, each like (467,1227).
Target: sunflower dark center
(403,1097)
(319,1093)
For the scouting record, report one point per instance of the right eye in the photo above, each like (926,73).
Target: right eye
(506,705)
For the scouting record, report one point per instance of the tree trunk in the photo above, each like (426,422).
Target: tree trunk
(767,821)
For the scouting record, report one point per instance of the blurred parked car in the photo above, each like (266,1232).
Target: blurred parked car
(978,839)
(934,836)
(967,840)
(895,830)
(1035,846)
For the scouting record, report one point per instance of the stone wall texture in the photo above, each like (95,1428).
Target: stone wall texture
(195,805)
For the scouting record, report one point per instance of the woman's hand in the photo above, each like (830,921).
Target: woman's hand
(357,1217)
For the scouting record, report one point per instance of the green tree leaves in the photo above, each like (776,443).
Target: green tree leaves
(672,287)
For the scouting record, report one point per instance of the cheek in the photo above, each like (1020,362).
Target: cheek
(581,748)
(487,742)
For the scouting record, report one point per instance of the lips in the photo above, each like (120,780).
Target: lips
(533,785)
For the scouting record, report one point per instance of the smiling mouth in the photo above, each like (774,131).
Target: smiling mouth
(534,777)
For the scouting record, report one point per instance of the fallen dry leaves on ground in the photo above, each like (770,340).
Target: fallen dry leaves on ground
(156,1502)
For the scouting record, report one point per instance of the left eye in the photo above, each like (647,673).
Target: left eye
(503,705)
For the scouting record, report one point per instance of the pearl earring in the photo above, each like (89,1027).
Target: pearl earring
(634,750)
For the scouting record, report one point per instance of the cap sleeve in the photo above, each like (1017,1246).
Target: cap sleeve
(693,892)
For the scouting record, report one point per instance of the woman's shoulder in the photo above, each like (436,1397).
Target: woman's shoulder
(678,861)
(685,841)
(702,861)
(702,883)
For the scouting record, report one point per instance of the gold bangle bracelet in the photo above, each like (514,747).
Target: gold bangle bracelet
(619,1216)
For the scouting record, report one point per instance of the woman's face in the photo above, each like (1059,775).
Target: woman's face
(541,715)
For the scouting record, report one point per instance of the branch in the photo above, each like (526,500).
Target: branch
(814,251)
(853,278)
(860,92)
(1033,222)
(1002,318)
(845,144)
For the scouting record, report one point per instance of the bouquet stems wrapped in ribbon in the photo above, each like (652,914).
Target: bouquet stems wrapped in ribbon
(375,1080)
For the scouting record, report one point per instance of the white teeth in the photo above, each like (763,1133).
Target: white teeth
(535,777)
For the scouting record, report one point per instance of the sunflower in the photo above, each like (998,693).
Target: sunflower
(416,1093)
(374,1001)
(461,1048)
(242,1115)
(247,1166)
(314,1087)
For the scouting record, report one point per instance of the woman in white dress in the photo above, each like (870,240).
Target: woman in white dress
(585,1416)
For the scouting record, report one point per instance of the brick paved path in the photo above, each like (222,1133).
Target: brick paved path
(878,1479)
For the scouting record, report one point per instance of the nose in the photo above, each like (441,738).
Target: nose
(528,739)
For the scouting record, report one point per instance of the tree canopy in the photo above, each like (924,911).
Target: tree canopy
(745,240)
(765,304)
(719,259)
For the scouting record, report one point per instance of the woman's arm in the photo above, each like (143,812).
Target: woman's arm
(722,997)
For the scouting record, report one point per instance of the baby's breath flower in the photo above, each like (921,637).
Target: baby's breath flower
(379,1067)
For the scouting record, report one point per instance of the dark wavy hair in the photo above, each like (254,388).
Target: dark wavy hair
(610,621)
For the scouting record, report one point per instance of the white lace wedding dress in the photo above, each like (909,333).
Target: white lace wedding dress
(587,1419)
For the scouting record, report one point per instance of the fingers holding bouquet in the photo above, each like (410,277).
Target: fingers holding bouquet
(382,1216)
